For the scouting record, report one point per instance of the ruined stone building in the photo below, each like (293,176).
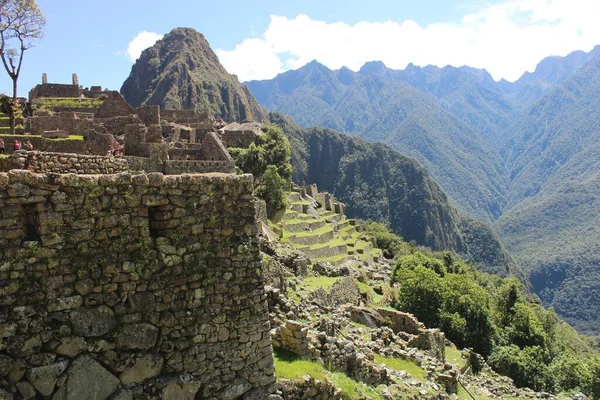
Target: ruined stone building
(153,140)
(136,276)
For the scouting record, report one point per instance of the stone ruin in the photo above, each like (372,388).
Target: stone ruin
(150,139)
(129,286)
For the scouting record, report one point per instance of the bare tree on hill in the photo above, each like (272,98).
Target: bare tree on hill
(21,26)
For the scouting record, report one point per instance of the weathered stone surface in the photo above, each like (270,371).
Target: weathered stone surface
(235,389)
(138,336)
(181,390)
(367,316)
(93,322)
(26,390)
(71,346)
(6,395)
(148,366)
(44,378)
(90,380)
(125,283)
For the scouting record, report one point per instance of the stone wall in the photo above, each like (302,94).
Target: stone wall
(93,143)
(54,90)
(131,286)
(171,167)
(64,163)
(114,105)
(239,138)
(64,121)
(401,322)
(150,115)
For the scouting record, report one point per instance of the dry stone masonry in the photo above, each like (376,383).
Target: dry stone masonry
(64,163)
(131,286)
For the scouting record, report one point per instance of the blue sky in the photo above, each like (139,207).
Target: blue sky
(92,38)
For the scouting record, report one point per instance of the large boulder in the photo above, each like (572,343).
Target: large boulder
(89,380)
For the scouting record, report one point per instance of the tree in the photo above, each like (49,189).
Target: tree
(21,25)
(272,190)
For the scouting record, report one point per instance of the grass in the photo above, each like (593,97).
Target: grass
(331,243)
(313,283)
(68,102)
(364,288)
(70,137)
(453,356)
(3,155)
(403,365)
(352,389)
(289,366)
(318,231)
(20,136)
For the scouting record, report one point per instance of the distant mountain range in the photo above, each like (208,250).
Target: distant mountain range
(521,155)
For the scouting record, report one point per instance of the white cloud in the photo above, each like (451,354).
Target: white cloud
(507,39)
(141,42)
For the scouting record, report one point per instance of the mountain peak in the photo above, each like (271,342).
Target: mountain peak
(181,71)
(372,68)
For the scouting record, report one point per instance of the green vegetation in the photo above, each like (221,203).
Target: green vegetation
(268,159)
(351,389)
(447,136)
(454,356)
(403,365)
(495,317)
(50,102)
(289,366)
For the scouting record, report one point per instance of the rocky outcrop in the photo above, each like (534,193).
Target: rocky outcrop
(182,72)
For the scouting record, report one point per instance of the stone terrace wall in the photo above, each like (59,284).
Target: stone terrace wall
(93,143)
(196,167)
(143,286)
(54,90)
(64,163)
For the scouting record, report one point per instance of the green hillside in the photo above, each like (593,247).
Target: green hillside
(378,183)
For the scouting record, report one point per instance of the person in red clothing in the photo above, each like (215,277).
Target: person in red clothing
(17,145)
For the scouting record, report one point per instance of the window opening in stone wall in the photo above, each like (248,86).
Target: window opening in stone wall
(157,216)
(154,215)
(32,223)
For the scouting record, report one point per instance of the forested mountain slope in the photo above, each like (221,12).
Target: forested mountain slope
(378,183)
(379,107)
(551,225)
(549,72)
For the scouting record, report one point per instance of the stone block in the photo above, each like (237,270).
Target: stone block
(148,366)
(90,380)
(138,336)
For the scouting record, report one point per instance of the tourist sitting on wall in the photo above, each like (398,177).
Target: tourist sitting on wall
(28,146)
(2,146)
(109,153)
(17,145)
